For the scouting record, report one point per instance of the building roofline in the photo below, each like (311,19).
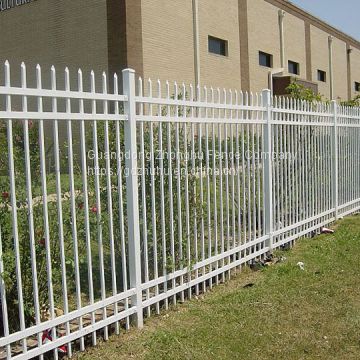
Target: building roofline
(313,20)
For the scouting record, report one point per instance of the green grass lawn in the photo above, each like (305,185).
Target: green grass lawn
(287,314)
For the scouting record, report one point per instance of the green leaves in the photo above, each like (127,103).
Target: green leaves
(300,92)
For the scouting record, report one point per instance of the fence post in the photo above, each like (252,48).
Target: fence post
(132,194)
(335,156)
(268,198)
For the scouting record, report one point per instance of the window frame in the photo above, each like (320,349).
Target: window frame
(223,43)
(297,66)
(321,76)
(268,57)
(357,86)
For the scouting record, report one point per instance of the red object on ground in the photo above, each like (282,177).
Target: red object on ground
(5,195)
(46,337)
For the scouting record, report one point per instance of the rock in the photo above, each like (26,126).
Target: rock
(301,265)
(325,230)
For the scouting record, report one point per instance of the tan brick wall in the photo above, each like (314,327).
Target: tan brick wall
(220,19)
(60,33)
(167,29)
(295,48)
(264,36)
(168,42)
(320,59)
(340,70)
(134,35)
(63,33)
(160,43)
(355,70)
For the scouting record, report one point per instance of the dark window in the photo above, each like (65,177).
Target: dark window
(218,46)
(357,86)
(294,67)
(321,75)
(265,59)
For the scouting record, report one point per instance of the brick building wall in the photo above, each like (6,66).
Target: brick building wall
(156,38)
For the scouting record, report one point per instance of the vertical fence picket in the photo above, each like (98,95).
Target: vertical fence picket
(268,180)
(30,204)
(45,206)
(226,174)
(243,178)
(215,198)
(170,180)
(208,190)
(109,199)
(153,198)
(14,208)
(238,177)
(221,198)
(143,195)
(187,209)
(178,187)
(199,171)
(194,114)
(54,109)
(162,199)
(4,308)
(335,160)
(248,184)
(257,177)
(86,202)
(232,184)
(73,205)
(97,207)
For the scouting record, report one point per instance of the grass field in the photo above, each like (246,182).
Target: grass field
(287,313)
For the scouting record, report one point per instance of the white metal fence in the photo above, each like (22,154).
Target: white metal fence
(113,206)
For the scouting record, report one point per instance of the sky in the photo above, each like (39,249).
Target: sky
(344,15)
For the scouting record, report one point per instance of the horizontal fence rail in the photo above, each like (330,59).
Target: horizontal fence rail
(118,199)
